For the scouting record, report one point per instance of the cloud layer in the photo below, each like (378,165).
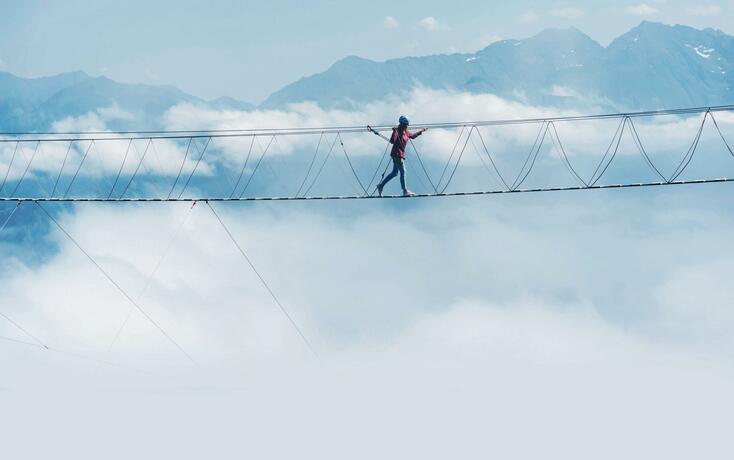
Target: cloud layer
(463,326)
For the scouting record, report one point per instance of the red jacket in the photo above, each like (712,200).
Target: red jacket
(400,141)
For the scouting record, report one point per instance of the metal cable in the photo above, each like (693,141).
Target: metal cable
(458,160)
(484,164)
(137,168)
(534,152)
(10,216)
(494,165)
(310,166)
(10,165)
(379,166)
(638,142)
(453,151)
(119,173)
(351,166)
(423,167)
(262,280)
(257,165)
(564,157)
(617,137)
(203,152)
(244,167)
(23,330)
(185,134)
(178,176)
(149,279)
(116,285)
(76,173)
(323,164)
(357,197)
(691,152)
(716,124)
(25,171)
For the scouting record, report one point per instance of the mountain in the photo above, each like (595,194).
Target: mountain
(28,104)
(651,66)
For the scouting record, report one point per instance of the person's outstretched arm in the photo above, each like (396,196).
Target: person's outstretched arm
(418,133)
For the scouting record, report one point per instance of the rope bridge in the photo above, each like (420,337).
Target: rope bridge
(60,186)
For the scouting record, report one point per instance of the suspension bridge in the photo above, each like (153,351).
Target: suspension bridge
(192,147)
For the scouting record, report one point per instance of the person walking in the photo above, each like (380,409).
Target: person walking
(399,140)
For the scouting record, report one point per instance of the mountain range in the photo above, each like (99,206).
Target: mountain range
(35,103)
(652,66)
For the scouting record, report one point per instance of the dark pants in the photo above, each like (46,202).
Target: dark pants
(398,166)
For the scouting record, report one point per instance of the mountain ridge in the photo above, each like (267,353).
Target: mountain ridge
(36,103)
(651,66)
(533,66)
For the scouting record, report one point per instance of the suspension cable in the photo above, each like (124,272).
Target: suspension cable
(193,171)
(262,280)
(10,166)
(116,285)
(180,170)
(151,275)
(215,133)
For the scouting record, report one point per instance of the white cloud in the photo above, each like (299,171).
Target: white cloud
(642,9)
(528,17)
(487,40)
(563,91)
(390,23)
(568,13)
(703,10)
(432,24)
(152,75)
(449,333)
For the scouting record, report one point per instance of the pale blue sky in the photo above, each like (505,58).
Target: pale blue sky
(248,49)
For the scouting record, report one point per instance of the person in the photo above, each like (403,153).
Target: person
(399,140)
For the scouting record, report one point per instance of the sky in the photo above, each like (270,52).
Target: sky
(248,50)
(571,325)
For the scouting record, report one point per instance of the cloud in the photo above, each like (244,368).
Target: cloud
(486,40)
(449,332)
(390,23)
(151,75)
(528,17)
(703,10)
(568,13)
(432,24)
(642,9)
(452,317)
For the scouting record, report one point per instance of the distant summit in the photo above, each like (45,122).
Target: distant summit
(29,104)
(652,66)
